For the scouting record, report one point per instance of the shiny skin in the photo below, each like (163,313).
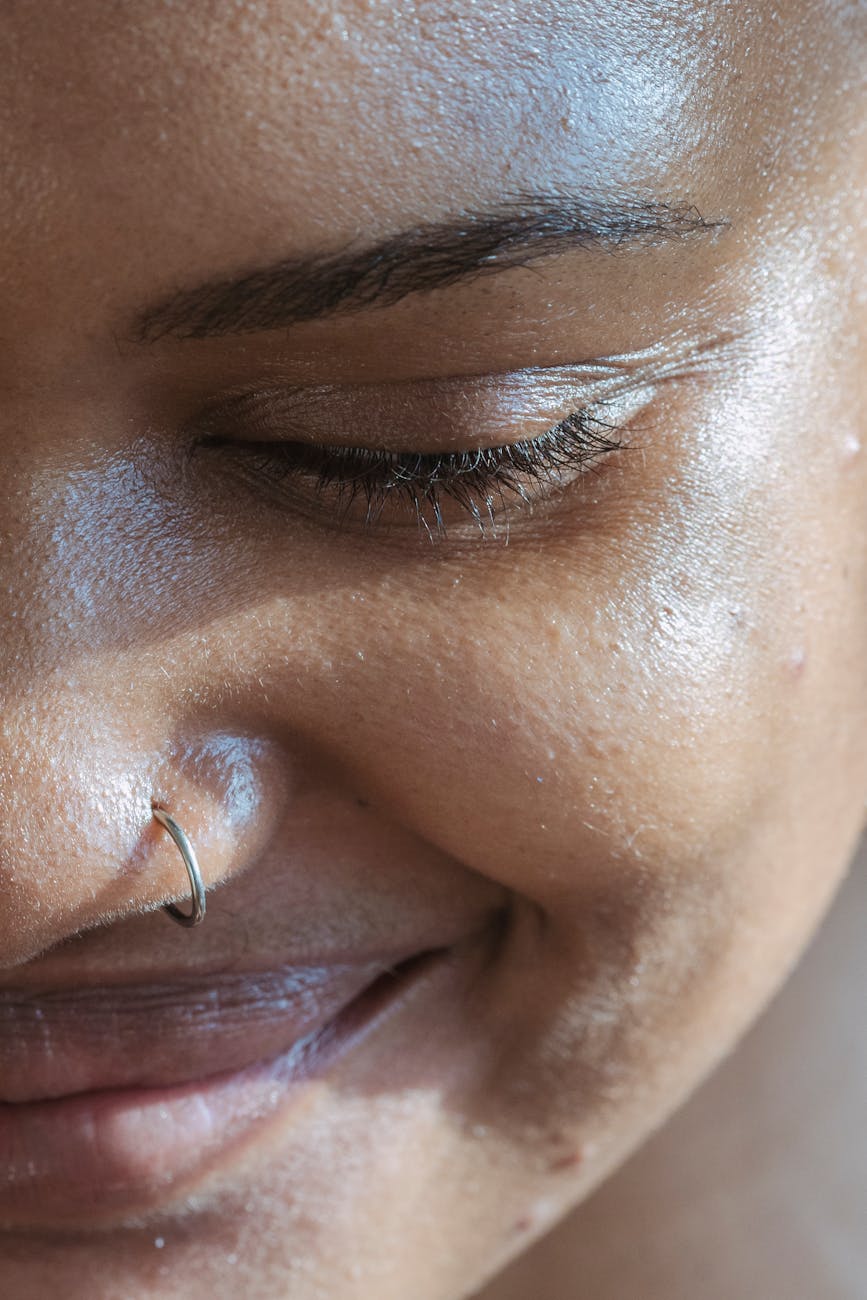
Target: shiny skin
(639,714)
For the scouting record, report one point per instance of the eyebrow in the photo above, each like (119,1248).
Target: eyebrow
(518,233)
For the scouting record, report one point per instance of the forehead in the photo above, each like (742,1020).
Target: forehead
(159,140)
(356,106)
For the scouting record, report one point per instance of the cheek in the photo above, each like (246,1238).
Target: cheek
(634,733)
(646,752)
(569,750)
(553,716)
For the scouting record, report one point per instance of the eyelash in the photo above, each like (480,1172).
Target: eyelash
(475,479)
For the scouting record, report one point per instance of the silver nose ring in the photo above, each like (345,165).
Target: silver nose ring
(187,852)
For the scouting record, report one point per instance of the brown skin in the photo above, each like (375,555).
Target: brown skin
(757,1186)
(639,715)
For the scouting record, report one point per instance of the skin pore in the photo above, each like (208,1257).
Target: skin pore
(600,734)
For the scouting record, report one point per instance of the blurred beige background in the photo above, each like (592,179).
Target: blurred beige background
(757,1188)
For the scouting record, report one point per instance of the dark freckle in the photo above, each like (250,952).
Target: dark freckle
(362,803)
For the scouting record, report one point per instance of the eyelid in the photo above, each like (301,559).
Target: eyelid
(424,416)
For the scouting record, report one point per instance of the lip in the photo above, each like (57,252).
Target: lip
(94,1131)
(157,1035)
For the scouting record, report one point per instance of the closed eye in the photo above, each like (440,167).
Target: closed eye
(481,481)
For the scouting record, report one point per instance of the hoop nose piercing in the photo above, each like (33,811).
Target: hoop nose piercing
(197,888)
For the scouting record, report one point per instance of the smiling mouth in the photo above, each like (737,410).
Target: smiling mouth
(115,1099)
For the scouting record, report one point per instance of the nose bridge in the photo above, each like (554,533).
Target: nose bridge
(40,622)
(104,570)
(94,534)
(61,746)
(22,543)
(93,726)
(63,822)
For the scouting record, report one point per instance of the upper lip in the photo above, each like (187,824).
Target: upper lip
(59,1043)
(92,1029)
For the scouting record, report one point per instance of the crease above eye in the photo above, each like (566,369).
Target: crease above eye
(423,416)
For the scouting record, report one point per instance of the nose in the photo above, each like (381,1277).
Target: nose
(99,581)
(79,845)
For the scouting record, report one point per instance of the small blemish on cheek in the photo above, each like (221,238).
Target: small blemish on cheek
(851,448)
(796,663)
(523,1225)
(570,1160)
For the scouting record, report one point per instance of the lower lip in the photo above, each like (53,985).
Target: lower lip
(102,1156)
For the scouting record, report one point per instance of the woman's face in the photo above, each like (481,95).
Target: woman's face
(584,721)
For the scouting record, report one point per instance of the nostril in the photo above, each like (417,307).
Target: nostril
(216,793)
(227,766)
(81,847)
